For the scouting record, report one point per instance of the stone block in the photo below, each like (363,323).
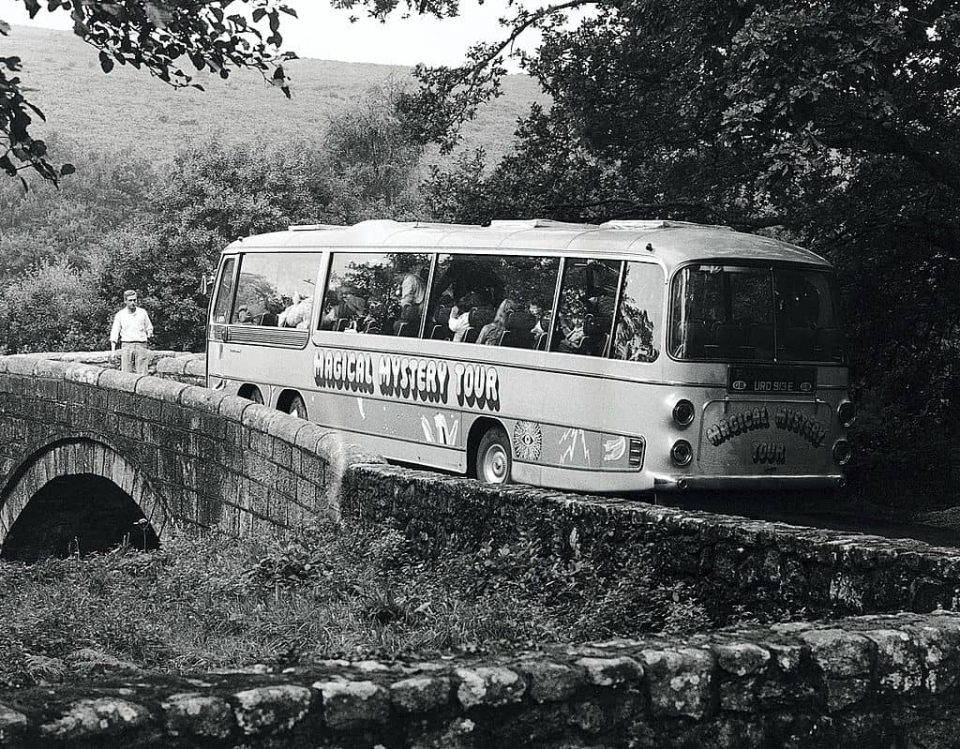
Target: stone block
(680,681)
(111,379)
(197,715)
(548,681)
(421,694)
(95,720)
(840,654)
(606,672)
(167,391)
(741,659)
(271,709)
(898,660)
(13,725)
(489,686)
(233,407)
(349,703)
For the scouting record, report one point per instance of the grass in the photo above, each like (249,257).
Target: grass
(129,110)
(216,602)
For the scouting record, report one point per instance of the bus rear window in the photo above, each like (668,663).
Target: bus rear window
(730,312)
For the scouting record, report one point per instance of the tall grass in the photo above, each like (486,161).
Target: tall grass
(217,602)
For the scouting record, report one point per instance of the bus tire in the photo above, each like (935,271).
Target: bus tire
(251,393)
(494,462)
(297,408)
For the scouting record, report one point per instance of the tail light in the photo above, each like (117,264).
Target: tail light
(684,413)
(681,453)
(842,452)
(847,413)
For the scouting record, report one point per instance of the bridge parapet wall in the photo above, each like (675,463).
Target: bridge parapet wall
(214,461)
(736,565)
(881,681)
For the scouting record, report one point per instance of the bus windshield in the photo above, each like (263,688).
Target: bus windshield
(722,312)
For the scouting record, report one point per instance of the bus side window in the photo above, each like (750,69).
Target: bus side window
(588,294)
(638,329)
(376,293)
(221,308)
(275,289)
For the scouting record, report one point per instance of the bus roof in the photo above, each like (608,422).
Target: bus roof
(670,242)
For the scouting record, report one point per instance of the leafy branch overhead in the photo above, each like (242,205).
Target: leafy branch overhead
(216,36)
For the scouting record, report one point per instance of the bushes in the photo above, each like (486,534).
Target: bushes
(210,602)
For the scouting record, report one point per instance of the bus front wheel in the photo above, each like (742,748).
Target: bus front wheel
(494,463)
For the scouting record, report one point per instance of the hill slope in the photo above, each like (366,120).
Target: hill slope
(128,109)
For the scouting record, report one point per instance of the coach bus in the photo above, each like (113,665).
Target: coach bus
(621,357)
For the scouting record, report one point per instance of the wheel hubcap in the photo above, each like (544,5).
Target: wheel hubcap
(495,465)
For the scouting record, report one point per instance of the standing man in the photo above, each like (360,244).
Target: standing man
(131,329)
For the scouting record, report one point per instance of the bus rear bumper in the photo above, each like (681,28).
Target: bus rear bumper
(748,483)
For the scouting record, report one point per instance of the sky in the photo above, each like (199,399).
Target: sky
(327,34)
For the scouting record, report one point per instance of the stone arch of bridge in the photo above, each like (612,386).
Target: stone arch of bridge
(79,457)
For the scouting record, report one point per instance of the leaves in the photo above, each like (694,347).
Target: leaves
(153,36)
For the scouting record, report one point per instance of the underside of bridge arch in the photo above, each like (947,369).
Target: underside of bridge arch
(78,496)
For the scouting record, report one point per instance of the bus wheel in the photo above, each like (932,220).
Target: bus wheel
(251,393)
(493,457)
(297,408)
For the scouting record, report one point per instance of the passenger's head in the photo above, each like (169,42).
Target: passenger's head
(130,299)
(506,307)
(537,307)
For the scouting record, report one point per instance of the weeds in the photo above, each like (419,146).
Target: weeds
(218,602)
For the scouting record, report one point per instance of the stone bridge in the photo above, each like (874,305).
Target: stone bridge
(89,456)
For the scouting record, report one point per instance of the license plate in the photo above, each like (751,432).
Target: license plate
(773,380)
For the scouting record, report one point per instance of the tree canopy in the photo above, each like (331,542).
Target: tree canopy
(216,36)
(831,123)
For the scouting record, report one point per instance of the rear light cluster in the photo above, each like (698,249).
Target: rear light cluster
(842,452)
(847,413)
(684,413)
(681,453)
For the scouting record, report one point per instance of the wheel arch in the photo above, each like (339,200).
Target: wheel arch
(287,397)
(477,429)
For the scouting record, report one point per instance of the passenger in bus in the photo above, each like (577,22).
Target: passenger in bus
(412,294)
(492,332)
(297,315)
(271,317)
(347,309)
(243,315)
(459,320)
(538,309)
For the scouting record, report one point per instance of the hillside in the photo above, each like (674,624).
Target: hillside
(128,109)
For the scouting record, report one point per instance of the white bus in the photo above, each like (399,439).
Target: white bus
(629,356)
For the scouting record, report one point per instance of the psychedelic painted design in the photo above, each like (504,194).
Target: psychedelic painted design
(527,440)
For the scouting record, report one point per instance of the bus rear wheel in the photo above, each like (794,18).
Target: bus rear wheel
(494,464)
(297,408)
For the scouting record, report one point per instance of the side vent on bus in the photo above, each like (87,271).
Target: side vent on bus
(636,452)
(313,227)
(536,223)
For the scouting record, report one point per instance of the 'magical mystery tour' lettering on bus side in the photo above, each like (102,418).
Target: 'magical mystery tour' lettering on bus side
(426,380)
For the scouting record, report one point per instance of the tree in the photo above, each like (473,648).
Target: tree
(153,35)
(831,123)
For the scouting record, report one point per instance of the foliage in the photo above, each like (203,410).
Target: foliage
(829,123)
(155,36)
(216,602)
(52,307)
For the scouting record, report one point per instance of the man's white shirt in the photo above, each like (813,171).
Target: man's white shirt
(131,327)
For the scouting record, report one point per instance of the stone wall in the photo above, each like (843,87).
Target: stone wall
(878,681)
(735,564)
(207,459)
(190,369)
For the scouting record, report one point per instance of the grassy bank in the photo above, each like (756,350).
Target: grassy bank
(217,602)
